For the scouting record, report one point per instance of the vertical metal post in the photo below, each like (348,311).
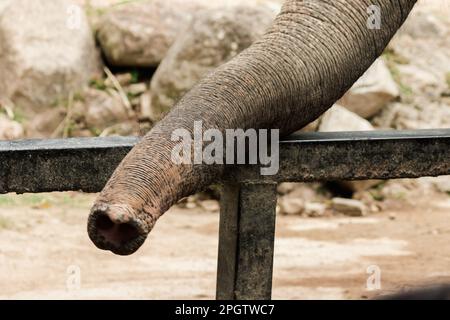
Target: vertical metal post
(246,242)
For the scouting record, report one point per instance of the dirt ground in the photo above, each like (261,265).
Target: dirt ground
(45,252)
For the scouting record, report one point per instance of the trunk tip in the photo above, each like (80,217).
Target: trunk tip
(116,229)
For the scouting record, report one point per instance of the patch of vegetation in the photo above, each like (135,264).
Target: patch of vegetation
(377,193)
(126,2)
(25,199)
(5,223)
(393,59)
(400,195)
(322,190)
(390,55)
(44,200)
(6,200)
(19,116)
(447,79)
(135,76)
(92,11)
(98,84)
(14,113)
(78,96)
(95,131)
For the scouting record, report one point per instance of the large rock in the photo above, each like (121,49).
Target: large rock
(214,37)
(423,43)
(424,23)
(140,33)
(422,115)
(373,91)
(338,118)
(46,51)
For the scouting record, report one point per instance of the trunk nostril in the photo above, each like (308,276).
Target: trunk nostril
(116,233)
(127,232)
(111,233)
(104,223)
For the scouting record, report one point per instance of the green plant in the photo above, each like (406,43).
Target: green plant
(5,223)
(98,84)
(134,76)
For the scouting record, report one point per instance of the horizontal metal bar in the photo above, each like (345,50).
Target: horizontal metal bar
(86,163)
(83,164)
(358,155)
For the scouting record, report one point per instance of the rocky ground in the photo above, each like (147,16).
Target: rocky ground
(111,67)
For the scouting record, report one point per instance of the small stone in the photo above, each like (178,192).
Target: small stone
(304,191)
(126,128)
(315,209)
(146,110)
(286,187)
(103,109)
(136,88)
(349,207)
(435,232)
(191,205)
(10,129)
(374,208)
(210,205)
(124,79)
(291,206)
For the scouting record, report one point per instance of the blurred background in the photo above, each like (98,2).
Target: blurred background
(107,67)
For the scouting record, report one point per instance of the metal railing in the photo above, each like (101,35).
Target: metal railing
(248,201)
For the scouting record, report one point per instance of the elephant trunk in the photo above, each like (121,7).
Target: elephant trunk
(307,60)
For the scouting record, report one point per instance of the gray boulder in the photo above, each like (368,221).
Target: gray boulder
(214,37)
(140,33)
(47,50)
(338,118)
(372,92)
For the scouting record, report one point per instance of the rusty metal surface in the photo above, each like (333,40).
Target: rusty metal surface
(87,163)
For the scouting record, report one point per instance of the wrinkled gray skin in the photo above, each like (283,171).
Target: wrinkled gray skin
(313,53)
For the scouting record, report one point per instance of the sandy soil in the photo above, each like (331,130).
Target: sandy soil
(45,252)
